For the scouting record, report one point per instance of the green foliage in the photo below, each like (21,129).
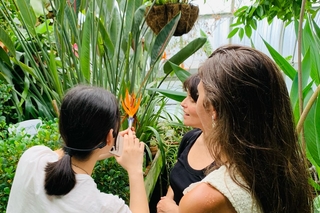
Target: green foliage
(170,134)
(287,11)
(6,109)
(79,48)
(101,43)
(112,178)
(13,145)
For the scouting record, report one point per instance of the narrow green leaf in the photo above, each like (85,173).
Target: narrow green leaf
(160,144)
(163,38)
(174,95)
(235,24)
(233,32)
(253,24)
(6,72)
(306,68)
(294,94)
(4,57)
(248,31)
(282,62)
(138,18)
(27,15)
(241,33)
(312,41)
(240,10)
(113,21)
(316,126)
(71,18)
(184,53)
(109,46)
(180,73)
(84,55)
(130,12)
(6,40)
(54,72)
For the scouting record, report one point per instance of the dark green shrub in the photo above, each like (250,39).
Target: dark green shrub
(112,178)
(6,108)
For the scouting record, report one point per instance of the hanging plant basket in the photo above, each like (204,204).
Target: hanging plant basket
(160,15)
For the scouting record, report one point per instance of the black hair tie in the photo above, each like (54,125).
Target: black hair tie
(67,151)
(99,146)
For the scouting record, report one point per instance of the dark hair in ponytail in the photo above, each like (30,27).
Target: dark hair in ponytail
(87,115)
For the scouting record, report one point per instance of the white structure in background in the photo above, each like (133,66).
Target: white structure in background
(29,126)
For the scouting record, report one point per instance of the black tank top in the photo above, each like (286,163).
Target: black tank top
(182,175)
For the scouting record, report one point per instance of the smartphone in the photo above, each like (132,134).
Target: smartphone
(118,146)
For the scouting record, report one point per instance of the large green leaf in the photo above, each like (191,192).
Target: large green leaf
(27,15)
(70,20)
(282,62)
(316,121)
(174,95)
(312,134)
(113,23)
(138,19)
(306,68)
(163,38)
(311,42)
(184,53)
(107,42)
(129,18)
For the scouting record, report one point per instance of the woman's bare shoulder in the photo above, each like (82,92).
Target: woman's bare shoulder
(204,198)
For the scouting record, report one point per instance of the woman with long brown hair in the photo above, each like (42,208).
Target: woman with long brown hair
(246,114)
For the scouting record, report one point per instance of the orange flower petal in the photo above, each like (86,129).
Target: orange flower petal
(125,108)
(130,104)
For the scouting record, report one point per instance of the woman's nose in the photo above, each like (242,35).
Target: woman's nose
(183,103)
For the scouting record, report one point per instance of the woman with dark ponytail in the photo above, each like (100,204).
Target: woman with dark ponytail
(60,180)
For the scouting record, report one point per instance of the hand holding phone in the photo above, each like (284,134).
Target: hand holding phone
(118,146)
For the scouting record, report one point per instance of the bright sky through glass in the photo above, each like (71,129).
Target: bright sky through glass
(218,6)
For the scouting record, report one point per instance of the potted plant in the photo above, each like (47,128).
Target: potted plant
(160,12)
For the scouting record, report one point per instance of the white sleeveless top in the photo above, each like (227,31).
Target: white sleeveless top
(241,199)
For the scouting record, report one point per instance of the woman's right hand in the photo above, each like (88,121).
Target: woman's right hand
(132,153)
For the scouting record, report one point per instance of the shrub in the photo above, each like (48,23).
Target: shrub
(6,108)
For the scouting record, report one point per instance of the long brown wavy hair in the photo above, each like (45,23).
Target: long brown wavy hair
(255,128)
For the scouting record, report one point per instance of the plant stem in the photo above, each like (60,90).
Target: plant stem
(300,70)
(307,109)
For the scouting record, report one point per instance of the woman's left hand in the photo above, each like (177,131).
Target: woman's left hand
(167,205)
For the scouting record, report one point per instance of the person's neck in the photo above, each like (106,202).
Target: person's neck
(83,167)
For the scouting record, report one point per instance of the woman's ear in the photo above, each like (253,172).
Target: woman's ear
(214,115)
(110,138)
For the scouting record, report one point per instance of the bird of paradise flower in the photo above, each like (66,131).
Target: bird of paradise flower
(130,104)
